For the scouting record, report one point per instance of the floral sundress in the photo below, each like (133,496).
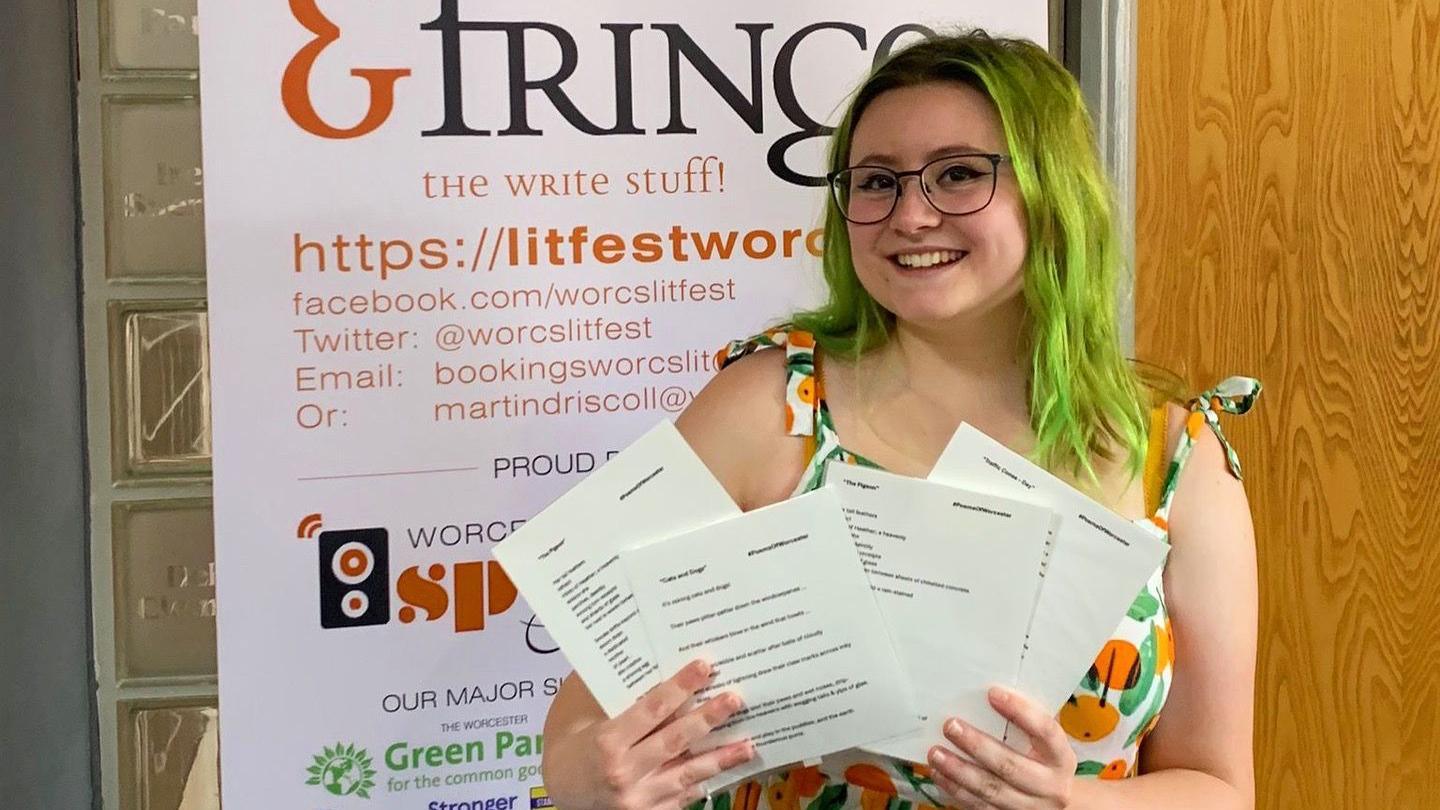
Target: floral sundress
(1115,705)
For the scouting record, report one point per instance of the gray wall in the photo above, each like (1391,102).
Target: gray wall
(46,693)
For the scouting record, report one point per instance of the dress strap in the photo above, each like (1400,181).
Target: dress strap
(1234,395)
(1154,475)
(800,385)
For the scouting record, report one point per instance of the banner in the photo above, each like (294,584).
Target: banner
(459,254)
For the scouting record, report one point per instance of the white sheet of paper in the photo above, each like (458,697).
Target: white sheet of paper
(778,602)
(1097,562)
(955,574)
(565,560)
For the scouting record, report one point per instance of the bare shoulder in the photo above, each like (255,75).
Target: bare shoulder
(1212,539)
(1212,593)
(1210,514)
(736,424)
(1208,497)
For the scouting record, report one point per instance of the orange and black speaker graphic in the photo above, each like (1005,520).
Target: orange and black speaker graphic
(354,577)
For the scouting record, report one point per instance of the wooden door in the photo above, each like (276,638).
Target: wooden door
(1288,228)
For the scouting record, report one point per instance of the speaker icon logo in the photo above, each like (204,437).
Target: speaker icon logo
(356,588)
(354,577)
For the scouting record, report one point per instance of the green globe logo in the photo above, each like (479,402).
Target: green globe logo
(343,771)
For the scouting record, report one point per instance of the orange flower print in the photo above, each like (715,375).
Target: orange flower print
(1194,424)
(781,795)
(806,781)
(1118,665)
(1088,718)
(747,796)
(806,390)
(1117,769)
(875,786)
(1164,648)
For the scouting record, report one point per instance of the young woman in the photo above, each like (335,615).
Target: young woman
(971,260)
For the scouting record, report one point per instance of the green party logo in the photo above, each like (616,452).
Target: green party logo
(343,770)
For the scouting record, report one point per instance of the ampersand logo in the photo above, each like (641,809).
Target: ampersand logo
(295,83)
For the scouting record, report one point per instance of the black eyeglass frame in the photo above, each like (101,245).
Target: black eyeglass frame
(994,158)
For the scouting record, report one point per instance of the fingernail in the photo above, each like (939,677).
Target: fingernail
(954,728)
(999,696)
(937,756)
(701,666)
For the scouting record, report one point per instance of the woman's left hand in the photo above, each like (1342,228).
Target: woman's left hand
(996,776)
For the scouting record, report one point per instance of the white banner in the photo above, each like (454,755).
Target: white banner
(459,252)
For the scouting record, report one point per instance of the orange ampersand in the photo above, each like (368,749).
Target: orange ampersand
(295,84)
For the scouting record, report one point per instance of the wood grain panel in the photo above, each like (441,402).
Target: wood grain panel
(1288,227)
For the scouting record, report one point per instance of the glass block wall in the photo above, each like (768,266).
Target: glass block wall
(147,378)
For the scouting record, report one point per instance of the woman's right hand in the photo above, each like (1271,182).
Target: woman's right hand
(640,760)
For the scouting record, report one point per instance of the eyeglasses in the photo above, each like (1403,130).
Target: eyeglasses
(955,185)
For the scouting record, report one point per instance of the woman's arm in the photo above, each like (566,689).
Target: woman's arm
(1200,754)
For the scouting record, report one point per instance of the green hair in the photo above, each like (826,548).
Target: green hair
(1085,398)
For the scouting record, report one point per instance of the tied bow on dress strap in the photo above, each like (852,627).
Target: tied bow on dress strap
(1234,395)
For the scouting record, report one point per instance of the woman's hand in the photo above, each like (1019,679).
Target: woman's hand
(638,760)
(998,776)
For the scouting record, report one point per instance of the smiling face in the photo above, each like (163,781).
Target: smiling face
(923,266)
